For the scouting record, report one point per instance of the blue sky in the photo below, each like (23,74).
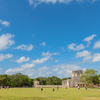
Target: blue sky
(49,37)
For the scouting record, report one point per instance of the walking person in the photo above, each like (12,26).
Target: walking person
(78,87)
(85,88)
(53,89)
(41,88)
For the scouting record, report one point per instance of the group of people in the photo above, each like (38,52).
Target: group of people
(66,88)
(79,88)
(53,88)
(5,87)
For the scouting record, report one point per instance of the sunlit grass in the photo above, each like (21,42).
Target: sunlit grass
(48,94)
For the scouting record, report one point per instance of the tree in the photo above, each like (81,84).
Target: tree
(2,80)
(88,76)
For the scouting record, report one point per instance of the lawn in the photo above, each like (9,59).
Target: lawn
(48,94)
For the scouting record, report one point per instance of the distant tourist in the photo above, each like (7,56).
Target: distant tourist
(53,89)
(66,87)
(41,88)
(78,87)
(1,87)
(85,88)
(7,87)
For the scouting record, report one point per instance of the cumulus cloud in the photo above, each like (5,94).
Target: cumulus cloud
(55,69)
(5,23)
(88,39)
(43,44)
(22,59)
(48,73)
(65,70)
(56,60)
(49,54)
(25,69)
(85,54)
(96,57)
(3,57)
(40,61)
(25,47)
(27,65)
(97,45)
(29,72)
(37,2)
(63,49)
(75,48)
(6,41)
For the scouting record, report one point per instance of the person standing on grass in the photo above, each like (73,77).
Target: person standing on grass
(78,87)
(41,88)
(53,89)
(85,88)
(1,87)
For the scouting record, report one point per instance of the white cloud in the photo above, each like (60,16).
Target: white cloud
(96,57)
(22,59)
(29,72)
(27,65)
(75,48)
(3,57)
(42,60)
(94,1)
(30,1)
(43,68)
(65,70)
(5,23)
(42,71)
(37,2)
(56,60)
(85,54)
(97,45)
(63,49)
(0,29)
(25,47)
(6,41)
(14,70)
(49,54)
(43,44)
(55,69)
(0,69)
(48,73)
(88,39)
(25,69)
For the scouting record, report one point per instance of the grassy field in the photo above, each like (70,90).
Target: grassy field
(48,94)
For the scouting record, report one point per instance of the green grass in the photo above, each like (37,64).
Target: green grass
(48,94)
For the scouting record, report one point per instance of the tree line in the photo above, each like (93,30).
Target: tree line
(90,77)
(20,80)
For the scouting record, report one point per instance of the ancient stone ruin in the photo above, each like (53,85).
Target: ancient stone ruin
(73,82)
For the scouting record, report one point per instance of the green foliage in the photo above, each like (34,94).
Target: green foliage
(17,80)
(49,80)
(66,78)
(89,76)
